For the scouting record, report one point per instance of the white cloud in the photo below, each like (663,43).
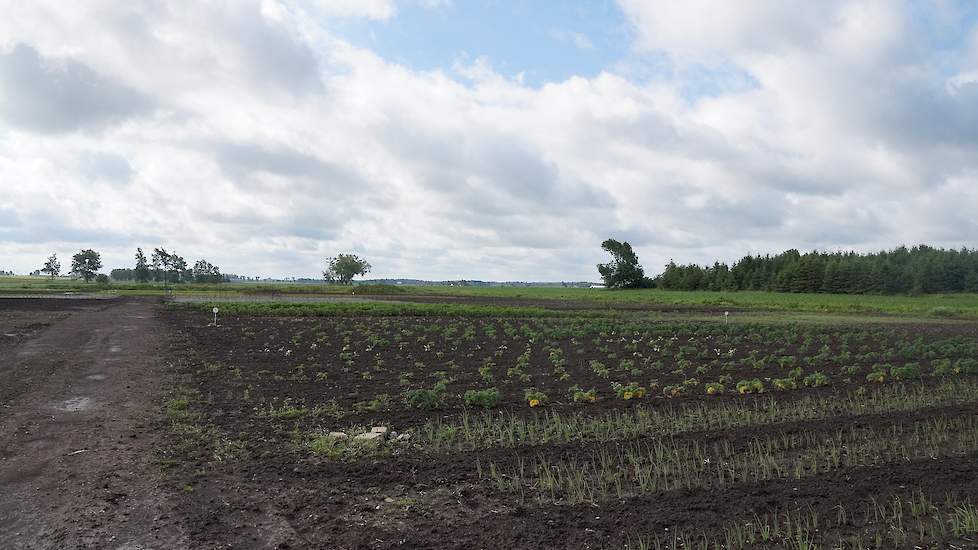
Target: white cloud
(263,143)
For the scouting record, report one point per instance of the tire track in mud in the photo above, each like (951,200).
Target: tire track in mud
(77,442)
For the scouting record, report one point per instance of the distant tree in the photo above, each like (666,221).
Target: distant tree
(623,271)
(52,267)
(85,264)
(178,267)
(206,272)
(122,274)
(102,280)
(141,272)
(344,267)
(160,261)
(918,270)
(169,267)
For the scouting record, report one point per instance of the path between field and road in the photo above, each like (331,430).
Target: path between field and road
(79,413)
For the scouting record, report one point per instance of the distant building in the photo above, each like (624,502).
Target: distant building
(596,286)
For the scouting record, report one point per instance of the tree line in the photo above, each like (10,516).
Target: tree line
(918,270)
(162,267)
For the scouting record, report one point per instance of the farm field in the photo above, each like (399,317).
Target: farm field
(957,305)
(529,427)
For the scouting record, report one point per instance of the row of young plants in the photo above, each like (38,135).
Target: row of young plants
(913,521)
(506,429)
(660,345)
(538,358)
(668,464)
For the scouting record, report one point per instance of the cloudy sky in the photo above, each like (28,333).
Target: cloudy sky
(485,139)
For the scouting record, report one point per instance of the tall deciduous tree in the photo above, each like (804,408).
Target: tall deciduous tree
(160,261)
(169,267)
(141,273)
(344,267)
(52,267)
(86,264)
(623,271)
(206,272)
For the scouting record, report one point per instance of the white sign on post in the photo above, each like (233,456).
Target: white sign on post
(215,310)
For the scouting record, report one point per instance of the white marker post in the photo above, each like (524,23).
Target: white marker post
(215,310)
(726,317)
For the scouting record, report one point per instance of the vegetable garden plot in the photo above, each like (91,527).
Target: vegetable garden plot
(545,417)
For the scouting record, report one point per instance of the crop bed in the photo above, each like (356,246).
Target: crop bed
(606,431)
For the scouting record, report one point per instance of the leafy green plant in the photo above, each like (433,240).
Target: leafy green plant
(485,398)
(816,380)
(715,388)
(599,368)
(485,372)
(577,395)
(877,375)
(426,399)
(942,367)
(909,371)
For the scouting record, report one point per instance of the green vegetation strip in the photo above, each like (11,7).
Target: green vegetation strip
(937,305)
(669,464)
(963,305)
(380,309)
(489,430)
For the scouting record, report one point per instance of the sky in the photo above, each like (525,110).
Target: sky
(484,139)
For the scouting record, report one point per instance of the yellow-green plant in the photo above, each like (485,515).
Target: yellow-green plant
(578,395)
(628,391)
(534,397)
(714,388)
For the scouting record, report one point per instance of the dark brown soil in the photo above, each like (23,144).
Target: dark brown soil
(276,494)
(89,458)
(79,426)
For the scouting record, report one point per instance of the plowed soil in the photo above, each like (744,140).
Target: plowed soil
(125,424)
(277,494)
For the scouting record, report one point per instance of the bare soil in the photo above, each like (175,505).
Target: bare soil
(90,459)
(276,494)
(79,424)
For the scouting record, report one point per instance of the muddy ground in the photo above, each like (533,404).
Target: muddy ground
(80,387)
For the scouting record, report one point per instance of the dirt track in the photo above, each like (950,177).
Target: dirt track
(78,410)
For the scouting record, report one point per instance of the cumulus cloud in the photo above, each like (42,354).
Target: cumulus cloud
(248,133)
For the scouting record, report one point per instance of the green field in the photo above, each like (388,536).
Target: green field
(929,305)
